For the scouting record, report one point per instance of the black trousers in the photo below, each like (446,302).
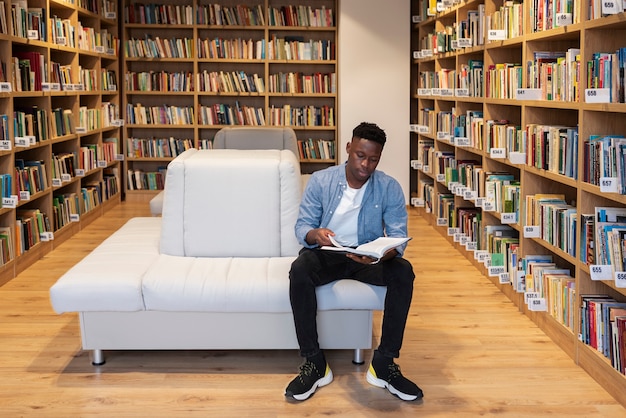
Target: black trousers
(315,267)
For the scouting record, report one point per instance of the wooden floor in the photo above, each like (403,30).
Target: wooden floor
(466,345)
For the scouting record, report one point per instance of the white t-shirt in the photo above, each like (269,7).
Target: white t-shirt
(344,222)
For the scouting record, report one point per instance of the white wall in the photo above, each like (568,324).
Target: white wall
(374,77)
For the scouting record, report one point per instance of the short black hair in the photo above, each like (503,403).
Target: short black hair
(371,132)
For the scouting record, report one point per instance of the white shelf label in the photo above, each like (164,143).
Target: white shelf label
(110,15)
(416,18)
(79,87)
(443,136)
(5,145)
(424,92)
(32,34)
(464,42)
(597,96)
(417,55)
(517,157)
(447,92)
(6,87)
(81,130)
(441,177)
(102,164)
(471,246)
(610,7)
(488,206)
(620,279)
(528,296)
(119,157)
(10,202)
(452,231)
(99,49)
(56,182)
(461,141)
(24,195)
(426,53)
(46,236)
(537,305)
(61,40)
(496,270)
(532,231)
(528,94)
(417,202)
(609,185)
(74,217)
(470,194)
(496,35)
(463,239)
(481,255)
(508,218)
(80,172)
(454,44)
(422,129)
(600,272)
(65,177)
(504,278)
(461,92)
(563,19)
(497,153)
(480,202)
(436,92)
(442,222)
(22,141)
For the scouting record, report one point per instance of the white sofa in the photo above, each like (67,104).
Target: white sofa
(212,272)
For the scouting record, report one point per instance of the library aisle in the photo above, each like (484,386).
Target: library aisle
(468,347)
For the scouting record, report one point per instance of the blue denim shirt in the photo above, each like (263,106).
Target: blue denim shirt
(383,211)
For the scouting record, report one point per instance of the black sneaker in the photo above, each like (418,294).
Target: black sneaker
(387,374)
(309,379)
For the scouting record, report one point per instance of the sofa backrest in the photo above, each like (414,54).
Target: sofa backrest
(231,203)
(251,137)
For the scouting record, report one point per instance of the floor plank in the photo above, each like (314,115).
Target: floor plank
(466,345)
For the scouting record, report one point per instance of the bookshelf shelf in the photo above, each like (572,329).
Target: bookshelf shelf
(530,155)
(234,50)
(41,107)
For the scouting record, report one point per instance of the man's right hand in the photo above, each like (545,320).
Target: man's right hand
(319,236)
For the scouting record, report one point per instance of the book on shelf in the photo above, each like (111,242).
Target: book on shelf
(609,237)
(374,249)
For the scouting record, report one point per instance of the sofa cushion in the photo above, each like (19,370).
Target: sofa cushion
(109,278)
(200,284)
(259,196)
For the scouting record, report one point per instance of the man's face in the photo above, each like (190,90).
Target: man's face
(363,158)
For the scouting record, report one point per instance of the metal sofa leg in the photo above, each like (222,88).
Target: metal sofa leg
(97,358)
(358,356)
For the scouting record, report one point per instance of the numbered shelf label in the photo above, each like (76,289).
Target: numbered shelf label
(563,19)
(461,141)
(119,157)
(601,272)
(46,236)
(481,255)
(446,92)
(80,172)
(24,195)
(5,145)
(532,231)
(528,94)
(470,194)
(22,141)
(464,42)
(417,202)
(597,95)
(102,164)
(497,153)
(496,35)
(609,185)
(10,202)
(495,271)
(537,305)
(620,279)
(424,92)
(6,87)
(461,92)
(66,177)
(452,231)
(508,218)
(504,278)
(443,136)
(422,129)
(471,246)
(74,217)
(442,222)
(56,182)
(488,206)
(517,157)
(610,7)
(441,178)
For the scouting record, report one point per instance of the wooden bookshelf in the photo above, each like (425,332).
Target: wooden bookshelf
(224,50)
(431,107)
(48,69)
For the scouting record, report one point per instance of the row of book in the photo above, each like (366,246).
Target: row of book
(159,115)
(302,83)
(159,14)
(237,48)
(31,122)
(160,81)
(603,327)
(556,74)
(296,48)
(556,218)
(223,15)
(157,147)
(316,149)
(159,48)
(27,21)
(604,160)
(288,115)
(102,41)
(62,32)
(30,177)
(603,238)
(141,180)
(225,114)
(230,82)
(547,14)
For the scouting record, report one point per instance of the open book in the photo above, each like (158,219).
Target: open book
(375,249)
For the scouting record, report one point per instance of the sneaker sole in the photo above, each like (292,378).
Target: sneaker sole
(320,382)
(374,381)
